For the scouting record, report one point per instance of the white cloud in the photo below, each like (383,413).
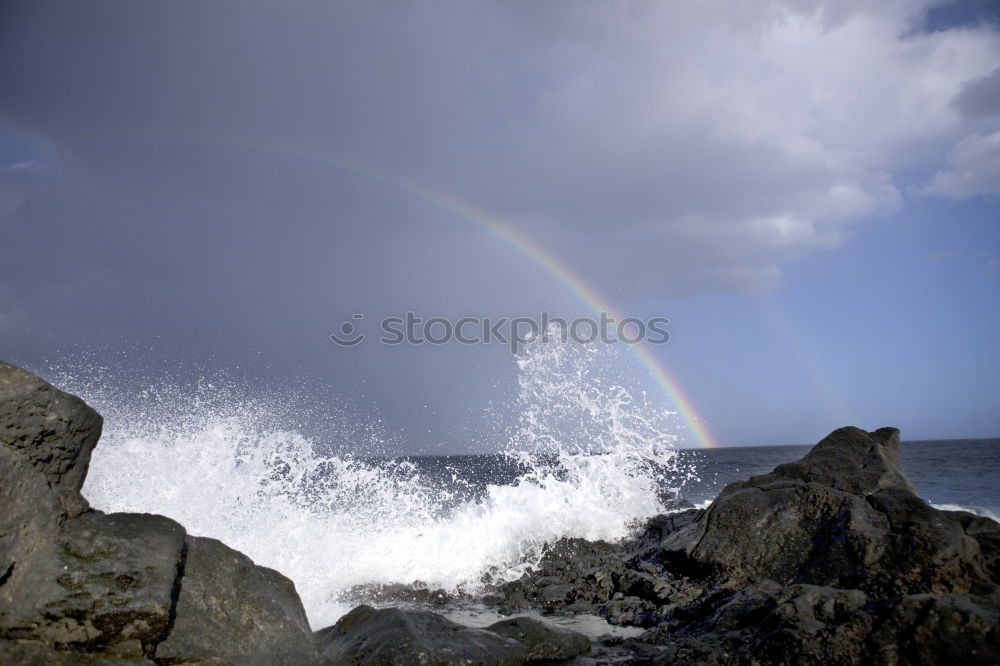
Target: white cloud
(777,128)
(29,165)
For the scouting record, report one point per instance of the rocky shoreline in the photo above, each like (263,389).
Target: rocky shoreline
(832,559)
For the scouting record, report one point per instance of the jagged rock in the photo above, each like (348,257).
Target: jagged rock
(235,611)
(851,460)
(630,611)
(830,559)
(543,642)
(843,516)
(392,636)
(103,580)
(768,623)
(812,625)
(54,431)
(573,575)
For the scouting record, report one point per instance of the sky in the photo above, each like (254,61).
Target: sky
(807,190)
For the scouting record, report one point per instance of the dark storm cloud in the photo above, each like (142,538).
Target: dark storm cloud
(184,178)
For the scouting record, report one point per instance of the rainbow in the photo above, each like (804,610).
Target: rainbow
(513,238)
(586,294)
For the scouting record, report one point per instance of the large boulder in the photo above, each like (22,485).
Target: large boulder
(397,637)
(844,516)
(851,460)
(230,609)
(54,431)
(102,581)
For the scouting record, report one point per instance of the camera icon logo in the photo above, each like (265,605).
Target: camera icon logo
(349,335)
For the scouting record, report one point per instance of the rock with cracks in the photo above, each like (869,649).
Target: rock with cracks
(79,586)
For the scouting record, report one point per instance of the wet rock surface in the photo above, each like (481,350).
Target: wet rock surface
(104,579)
(411,637)
(54,431)
(230,609)
(830,559)
(543,642)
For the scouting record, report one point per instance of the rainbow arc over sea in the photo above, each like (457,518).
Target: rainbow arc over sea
(584,292)
(503,231)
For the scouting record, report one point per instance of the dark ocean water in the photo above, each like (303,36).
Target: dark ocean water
(949,474)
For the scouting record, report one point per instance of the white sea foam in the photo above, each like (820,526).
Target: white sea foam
(220,462)
(993,513)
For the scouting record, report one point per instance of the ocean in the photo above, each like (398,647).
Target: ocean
(582,457)
(954,474)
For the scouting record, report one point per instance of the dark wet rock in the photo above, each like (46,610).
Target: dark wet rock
(135,586)
(767,623)
(805,624)
(571,577)
(851,460)
(938,629)
(54,431)
(843,516)
(233,610)
(629,611)
(542,641)
(830,559)
(393,636)
(101,581)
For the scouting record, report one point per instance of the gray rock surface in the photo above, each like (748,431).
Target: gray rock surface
(103,580)
(542,641)
(397,637)
(30,515)
(229,608)
(54,431)
(843,516)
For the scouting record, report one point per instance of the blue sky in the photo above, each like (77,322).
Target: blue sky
(895,326)
(807,190)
